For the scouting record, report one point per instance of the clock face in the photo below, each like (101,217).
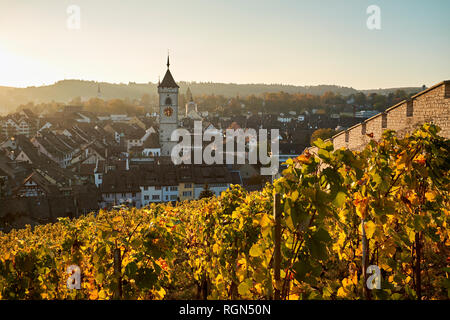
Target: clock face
(168,111)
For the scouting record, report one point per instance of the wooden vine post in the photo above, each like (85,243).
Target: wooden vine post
(277,241)
(365,260)
(417,271)
(118,273)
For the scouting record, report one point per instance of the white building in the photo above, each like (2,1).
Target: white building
(170,193)
(366,114)
(150,194)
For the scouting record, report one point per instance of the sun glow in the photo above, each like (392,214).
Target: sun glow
(17,70)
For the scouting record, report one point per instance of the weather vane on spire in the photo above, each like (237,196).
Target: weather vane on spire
(168,63)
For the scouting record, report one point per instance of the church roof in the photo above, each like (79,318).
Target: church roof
(168,81)
(189,95)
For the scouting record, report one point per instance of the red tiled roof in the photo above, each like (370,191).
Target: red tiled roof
(87,169)
(152,141)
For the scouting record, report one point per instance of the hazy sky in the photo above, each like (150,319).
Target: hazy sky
(242,41)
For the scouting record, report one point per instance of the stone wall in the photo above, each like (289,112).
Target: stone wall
(431,105)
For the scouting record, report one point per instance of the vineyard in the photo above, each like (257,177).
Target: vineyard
(342,216)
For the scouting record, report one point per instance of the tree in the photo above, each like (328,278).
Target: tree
(360,99)
(145,100)
(95,105)
(206,192)
(76,101)
(322,134)
(328,98)
(116,106)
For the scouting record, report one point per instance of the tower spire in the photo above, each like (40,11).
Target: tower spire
(168,81)
(189,95)
(99,93)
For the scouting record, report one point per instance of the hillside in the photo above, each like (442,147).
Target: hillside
(227,247)
(66,90)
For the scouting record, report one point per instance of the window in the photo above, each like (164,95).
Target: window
(157,188)
(384,120)
(133,195)
(167,188)
(173,188)
(168,101)
(347,135)
(187,193)
(188,185)
(173,197)
(124,195)
(155,197)
(409,108)
(167,198)
(145,188)
(146,197)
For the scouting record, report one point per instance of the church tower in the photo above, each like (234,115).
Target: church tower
(168,111)
(190,105)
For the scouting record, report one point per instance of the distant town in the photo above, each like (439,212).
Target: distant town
(72,159)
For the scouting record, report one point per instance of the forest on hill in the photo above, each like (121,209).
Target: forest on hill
(66,90)
(267,103)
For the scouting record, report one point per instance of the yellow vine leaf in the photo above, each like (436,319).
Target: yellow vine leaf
(346,282)
(102,294)
(341,293)
(294,195)
(430,195)
(293,297)
(243,288)
(93,295)
(369,227)
(160,294)
(117,219)
(256,250)
(265,221)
